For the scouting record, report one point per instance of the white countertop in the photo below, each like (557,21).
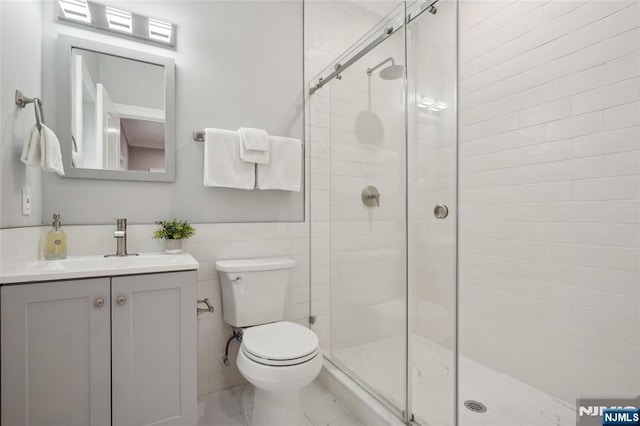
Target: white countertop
(98,266)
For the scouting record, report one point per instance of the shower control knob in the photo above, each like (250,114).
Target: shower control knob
(440,211)
(371,196)
(99,302)
(121,300)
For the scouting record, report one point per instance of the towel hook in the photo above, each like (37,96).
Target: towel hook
(22,101)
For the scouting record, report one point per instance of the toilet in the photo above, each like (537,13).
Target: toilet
(277,357)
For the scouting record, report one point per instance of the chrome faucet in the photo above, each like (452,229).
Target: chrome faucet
(120,234)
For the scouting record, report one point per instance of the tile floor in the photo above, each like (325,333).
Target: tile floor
(224,408)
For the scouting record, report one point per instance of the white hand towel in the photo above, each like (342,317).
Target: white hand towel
(254,146)
(284,171)
(222,164)
(31,149)
(51,158)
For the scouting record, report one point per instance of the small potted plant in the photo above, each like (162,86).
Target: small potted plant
(173,232)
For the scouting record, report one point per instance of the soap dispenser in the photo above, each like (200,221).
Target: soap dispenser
(56,241)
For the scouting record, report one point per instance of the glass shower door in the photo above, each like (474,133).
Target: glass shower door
(367,208)
(432,210)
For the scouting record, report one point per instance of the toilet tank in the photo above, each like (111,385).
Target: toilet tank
(253,290)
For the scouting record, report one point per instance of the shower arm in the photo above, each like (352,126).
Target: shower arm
(371,70)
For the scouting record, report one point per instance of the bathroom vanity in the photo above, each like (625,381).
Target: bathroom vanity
(100,341)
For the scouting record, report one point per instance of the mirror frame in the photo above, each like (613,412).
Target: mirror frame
(64,45)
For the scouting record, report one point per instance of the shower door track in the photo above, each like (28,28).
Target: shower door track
(389,405)
(340,68)
(389,31)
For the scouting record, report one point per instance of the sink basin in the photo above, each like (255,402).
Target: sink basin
(98,266)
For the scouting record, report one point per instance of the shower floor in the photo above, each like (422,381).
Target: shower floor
(509,402)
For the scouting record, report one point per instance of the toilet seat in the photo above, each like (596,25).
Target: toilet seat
(280,344)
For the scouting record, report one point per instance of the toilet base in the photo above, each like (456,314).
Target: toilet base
(264,408)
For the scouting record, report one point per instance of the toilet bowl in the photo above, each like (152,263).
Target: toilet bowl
(278,358)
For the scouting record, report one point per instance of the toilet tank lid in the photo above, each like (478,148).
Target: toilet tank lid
(260,264)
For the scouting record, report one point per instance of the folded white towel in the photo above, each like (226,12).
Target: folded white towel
(31,154)
(51,160)
(284,171)
(254,146)
(254,139)
(42,148)
(222,164)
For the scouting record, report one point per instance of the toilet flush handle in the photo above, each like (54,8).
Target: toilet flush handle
(237,279)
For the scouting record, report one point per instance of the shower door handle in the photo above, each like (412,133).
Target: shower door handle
(440,211)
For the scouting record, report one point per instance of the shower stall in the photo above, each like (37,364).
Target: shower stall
(474,209)
(383,211)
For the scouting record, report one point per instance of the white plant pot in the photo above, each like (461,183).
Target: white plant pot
(173,246)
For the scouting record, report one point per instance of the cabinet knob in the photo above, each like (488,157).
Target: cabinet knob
(99,302)
(121,300)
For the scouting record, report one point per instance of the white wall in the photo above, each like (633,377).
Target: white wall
(20,69)
(132,83)
(549,193)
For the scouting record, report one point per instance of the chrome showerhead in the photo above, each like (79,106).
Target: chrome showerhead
(392,72)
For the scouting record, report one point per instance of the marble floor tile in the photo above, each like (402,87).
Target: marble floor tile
(321,408)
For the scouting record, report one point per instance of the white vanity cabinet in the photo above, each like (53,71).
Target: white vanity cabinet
(118,351)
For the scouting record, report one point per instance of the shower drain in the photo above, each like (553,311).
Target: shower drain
(475,406)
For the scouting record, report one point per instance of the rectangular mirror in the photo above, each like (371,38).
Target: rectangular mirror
(116,112)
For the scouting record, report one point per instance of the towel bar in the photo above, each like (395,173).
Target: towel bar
(198,135)
(22,101)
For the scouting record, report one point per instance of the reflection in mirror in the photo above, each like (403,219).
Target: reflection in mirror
(117,113)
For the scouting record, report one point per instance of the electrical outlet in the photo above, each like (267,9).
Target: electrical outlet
(26,201)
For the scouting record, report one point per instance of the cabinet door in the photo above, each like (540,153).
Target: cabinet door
(154,349)
(55,354)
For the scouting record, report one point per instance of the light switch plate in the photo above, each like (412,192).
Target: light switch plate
(26,201)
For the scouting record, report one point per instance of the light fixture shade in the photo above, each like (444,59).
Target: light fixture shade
(77,10)
(119,20)
(160,30)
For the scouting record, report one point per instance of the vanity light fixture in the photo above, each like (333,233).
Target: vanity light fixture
(116,21)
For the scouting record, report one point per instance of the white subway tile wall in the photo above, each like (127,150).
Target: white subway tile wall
(549,193)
